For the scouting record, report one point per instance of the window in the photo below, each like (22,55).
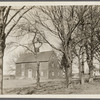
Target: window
(58,73)
(22,70)
(63,73)
(36,73)
(52,73)
(22,66)
(42,73)
(29,73)
(22,73)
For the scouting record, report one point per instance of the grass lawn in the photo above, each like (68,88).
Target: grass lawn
(55,87)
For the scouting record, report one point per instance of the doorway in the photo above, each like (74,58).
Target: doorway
(29,73)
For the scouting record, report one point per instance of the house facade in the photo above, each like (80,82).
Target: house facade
(26,66)
(96,72)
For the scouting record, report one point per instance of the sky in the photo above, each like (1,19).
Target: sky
(12,53)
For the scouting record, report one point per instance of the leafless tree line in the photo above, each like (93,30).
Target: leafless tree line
(76,27)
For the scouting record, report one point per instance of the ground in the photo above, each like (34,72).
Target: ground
(51,87)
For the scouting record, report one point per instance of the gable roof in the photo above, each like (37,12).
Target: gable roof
(29,57)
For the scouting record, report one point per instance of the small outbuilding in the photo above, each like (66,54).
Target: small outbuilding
(8,77)
(96,72)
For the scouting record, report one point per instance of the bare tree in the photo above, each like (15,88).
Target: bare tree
(88,29)
(63,21)
(32,46)
(91,25)
(4,22)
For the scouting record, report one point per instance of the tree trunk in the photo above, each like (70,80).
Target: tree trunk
(68,76)
(90,64)
(79,63)
(2,46)
(38,74)
(1,72)
(91,50)
(82,71)
(67,69)
(91,76)
(38,66)
(68,62)
(1,65)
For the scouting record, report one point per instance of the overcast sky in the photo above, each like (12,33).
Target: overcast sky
(13,53)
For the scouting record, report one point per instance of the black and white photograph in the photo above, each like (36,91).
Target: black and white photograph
(50,49)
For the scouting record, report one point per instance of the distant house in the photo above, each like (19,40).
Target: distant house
(96,72)
(49,67)
(8,77)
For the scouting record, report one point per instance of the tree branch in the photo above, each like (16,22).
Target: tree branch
(14,15)
(18,21)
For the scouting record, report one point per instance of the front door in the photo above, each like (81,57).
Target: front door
(29,73)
